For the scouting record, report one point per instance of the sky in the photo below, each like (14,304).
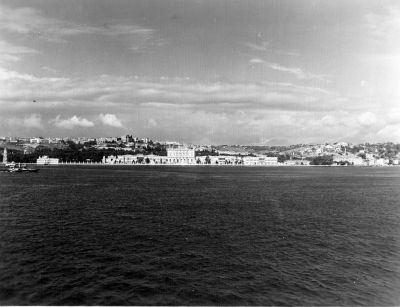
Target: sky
(205,72)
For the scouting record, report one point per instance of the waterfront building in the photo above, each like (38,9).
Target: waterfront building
(296,162)
(181,155)
(358,161)
(350,159)
(122,159)
(135,159)
(224,160)
(378,162)
(260,160)
(381,162)
(45,160)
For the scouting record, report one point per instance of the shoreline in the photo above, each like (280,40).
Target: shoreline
(204,165)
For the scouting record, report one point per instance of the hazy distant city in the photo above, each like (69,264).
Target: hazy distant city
(129,149)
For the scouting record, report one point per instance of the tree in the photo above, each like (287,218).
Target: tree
(322,160)
(362,155)
(283,158)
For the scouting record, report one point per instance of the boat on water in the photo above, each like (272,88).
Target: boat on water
(12,167)
(19,168)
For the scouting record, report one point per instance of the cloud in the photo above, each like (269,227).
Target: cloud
(110,120)
(152,123)
(124,29)
(256,61)
(390,133)
(72,122)
(367,119)
(259,47)
(265,46)
(49,69)
(186,109)
(384,24)
(292,70)
(33,121)
(18,90)
(29,21)
(296,71)
(12,53)
(27,122)
(139,38)
(381,29)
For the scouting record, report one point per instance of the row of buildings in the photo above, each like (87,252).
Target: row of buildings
(186,156)
(343,153)
(365,160)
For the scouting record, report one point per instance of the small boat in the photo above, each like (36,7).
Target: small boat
(29,170)
(14,168)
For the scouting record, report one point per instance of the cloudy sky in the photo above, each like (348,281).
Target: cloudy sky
(221,71)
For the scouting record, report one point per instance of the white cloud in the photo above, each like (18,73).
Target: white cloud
(49,69)
(256,61)
(29,21)
(110,120)
(72,122)
(152,123)
(367,119)
(185,108)
(296,71)
(125,29)
(259,47)
(131,92)
(12,53)
(265,47)
(390,133)
(384,24)
(33,121)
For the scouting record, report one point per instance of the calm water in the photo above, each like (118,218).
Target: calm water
(201,236)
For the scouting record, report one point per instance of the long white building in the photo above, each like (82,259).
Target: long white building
(260,160)
(45,160)
(186,156)
(175,156)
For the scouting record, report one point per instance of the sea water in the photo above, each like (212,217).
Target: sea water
(108,235)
